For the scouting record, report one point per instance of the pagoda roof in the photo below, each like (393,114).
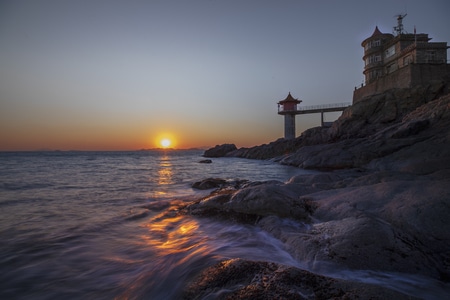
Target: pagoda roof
(289,98)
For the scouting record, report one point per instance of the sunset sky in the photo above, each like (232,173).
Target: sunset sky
(123,75)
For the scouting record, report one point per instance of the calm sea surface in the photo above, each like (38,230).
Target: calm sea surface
(98,225)
(103,225)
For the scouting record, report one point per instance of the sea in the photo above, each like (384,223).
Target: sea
(104,225)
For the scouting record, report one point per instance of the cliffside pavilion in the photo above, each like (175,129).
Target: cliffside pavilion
(401,61)
(288,108)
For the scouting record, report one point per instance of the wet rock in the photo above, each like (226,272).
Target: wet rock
(258,199)
(209,183)
(382,221)
(205,161)
(219,150)
(242,279)
(270,199)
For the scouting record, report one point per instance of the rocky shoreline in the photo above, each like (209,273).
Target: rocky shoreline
(383,205)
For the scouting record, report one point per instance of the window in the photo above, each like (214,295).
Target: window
(391,68)
(407,60)
(375,74)
(389,51)
(373,59)
(431,56)
(371,44)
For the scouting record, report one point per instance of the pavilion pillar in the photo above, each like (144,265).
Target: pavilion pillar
(289,126)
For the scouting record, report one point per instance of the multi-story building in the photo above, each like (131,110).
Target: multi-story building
(400,61)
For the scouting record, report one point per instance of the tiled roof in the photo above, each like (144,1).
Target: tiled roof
(289,98)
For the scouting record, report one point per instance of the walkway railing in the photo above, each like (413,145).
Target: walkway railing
(325,106)
(315,108)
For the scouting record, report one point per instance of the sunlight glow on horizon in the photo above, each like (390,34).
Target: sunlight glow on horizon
(115,75)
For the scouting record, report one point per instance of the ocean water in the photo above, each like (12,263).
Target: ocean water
(104,225)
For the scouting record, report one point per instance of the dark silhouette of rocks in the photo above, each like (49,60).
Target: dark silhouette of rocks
(205,161)
(220,150)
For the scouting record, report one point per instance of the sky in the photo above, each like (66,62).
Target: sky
(123,75)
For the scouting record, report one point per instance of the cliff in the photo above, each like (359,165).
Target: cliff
(376,127)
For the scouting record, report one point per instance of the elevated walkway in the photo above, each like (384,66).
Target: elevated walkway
(324,108)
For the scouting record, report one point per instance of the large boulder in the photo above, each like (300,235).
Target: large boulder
(219,150)
(258,199)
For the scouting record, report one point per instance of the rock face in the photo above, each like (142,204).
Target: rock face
(241,279)
(220,150)
(422,130)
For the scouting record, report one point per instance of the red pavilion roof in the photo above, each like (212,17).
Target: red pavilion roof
(289,99)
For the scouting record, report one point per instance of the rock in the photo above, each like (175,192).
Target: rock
(383,221)
(209,183)
(243,279)
(220,184)
(270,199)
(219,150)
(258,199)
(410,128)
(205,161)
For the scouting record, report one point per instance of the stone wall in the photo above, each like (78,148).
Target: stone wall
(406,77)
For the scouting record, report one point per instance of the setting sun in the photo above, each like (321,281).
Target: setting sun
(165,143)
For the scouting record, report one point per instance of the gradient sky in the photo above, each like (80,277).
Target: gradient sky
(121,75)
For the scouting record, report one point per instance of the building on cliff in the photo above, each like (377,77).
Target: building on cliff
(400,60)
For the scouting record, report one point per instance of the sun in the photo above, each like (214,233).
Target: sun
(165,143)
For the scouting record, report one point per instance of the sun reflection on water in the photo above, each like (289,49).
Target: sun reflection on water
(179,249)
(165,171)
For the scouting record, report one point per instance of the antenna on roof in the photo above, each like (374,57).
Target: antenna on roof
(399,28)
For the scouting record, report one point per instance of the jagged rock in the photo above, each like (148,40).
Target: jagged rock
(219,150)
(243,279)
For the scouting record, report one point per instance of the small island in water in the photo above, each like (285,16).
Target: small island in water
(381,204)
